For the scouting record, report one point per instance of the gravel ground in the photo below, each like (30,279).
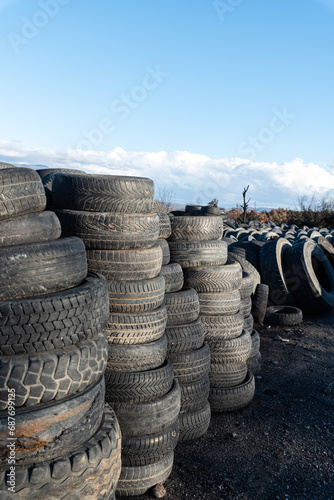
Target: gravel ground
(279,447)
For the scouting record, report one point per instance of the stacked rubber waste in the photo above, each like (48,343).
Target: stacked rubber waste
(296,264)
(114,217)
(58,439)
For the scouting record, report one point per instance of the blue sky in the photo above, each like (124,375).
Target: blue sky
(216,80)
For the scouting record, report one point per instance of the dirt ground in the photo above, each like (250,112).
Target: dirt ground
(282,445)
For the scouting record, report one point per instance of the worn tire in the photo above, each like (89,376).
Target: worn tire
(283,316)
(215,279)
(138,264)
(194,395)
(164,225)
(249,323)
(198,253)
(137,480)
(141,419)
(32,228)
(173,275)
(191,366)
(165,251)
(255,337)
(247,285)
(182,307)
(136,296)
(137,328)
(103,193)
(55,320)
(52,375)
(88,471)
(248,250)
(254,364)
(111,231)
(139,387)
(137,357)
(233,398)
(22,192)
(227,375)
(219,303)
(50,429)
(183,338)
(246,306)
(196,228)
(233,351)
(260,303)
(223,327)
(247,267)
(195,424)
(39,269)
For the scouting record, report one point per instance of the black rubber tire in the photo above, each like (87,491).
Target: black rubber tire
(260,303)
(198,253)
(138,264)
(183,338)
(223,327)
(136,296)
(137,328)
(247,285)
(88,471)
(55,320)
(246,266)
(182,307)
(215,279)
(191,366)
(159,206)
(39,269)
(173,275)
(49,430)
(210,211)
(138,357)
(233,398)
(52,375)
(137,480)
(139,387)
(111,231)
(271,262)
(249,323)
(233,351)
(164,223)
(246,306)
(255,363)
(313,275)
(283,316)
(256,342)
(22,192)
(219,303)
(141,419)
(227,375)
(193,209)
(149,449)
(103,193)
(194,395)
(196,228)
(47,176)
(165,251)
(195,424)
(32,228)
(249,250)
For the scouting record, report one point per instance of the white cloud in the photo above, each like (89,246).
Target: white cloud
(191,176)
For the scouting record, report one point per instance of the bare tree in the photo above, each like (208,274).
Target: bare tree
(166,196)
(245,204)
(214,203)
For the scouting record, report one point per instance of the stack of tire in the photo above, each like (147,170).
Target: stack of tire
(58,439)
(217,282)
(113,215)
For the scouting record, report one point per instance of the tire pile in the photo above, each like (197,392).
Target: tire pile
(58,439)
(196,245)
(113,215)
(296,263)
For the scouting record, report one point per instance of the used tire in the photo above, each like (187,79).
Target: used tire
(182,307)
(52,375)
(254,364)
(55,320)
(247,267)
(164,225)
(247,285)
(136,296)
(198,253)
(173,275)
(227,375)
(191,366)
(223,327)
(248,323)
(22,192)
(233,398)
(32,228)
(260,303)
(138,264)
(196,228)
(195,424)
(39,269)
(194,395)
(233,351)
(183,338)
(219,303)
(165,251)
(103,193)
(213,279)
(88,471)
(283,316)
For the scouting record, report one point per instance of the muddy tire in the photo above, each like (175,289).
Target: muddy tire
(22,192)
(39,269)
(89,471)
(55,320)
(103,193)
